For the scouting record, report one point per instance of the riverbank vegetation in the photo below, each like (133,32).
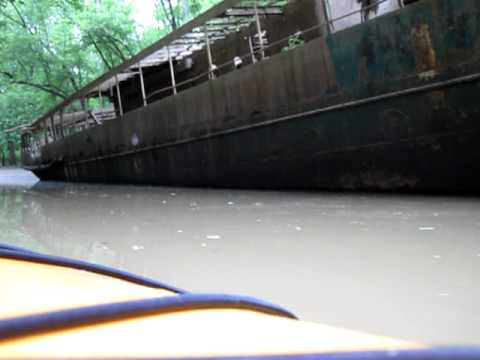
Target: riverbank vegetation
(50,49)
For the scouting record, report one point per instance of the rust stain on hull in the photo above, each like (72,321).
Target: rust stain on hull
(425,54)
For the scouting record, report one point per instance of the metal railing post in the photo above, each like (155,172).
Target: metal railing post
(119,96)
(252,50)
(172,71)
(329,26)
(62,130)
(100,97)
(84,108)
(45,127)
(142,84)
(52,127)
(211,74)
(259,31)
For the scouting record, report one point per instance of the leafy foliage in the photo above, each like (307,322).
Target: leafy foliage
(294,41)
(49,49)
(170,14)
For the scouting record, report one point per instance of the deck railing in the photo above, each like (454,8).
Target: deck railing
(207,75)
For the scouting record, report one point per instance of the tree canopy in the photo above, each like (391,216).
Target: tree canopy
(49,49)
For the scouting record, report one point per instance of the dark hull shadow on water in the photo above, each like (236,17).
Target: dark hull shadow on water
(39,185)
(399,265)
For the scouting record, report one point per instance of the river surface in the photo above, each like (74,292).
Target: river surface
(396,265)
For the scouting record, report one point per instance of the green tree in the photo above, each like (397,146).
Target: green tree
(52,48)
(171,14)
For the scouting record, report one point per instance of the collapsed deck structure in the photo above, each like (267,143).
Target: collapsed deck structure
(310,94)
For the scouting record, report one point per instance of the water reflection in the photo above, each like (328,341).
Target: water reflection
(394,265)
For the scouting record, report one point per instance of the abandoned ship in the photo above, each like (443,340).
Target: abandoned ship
(283,94)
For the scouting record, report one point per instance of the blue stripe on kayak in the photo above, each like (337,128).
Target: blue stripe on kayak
(16,248)
(91,315)
(438,353)
(12,252)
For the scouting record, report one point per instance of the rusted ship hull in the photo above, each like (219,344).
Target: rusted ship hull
(387,105)
(397,151)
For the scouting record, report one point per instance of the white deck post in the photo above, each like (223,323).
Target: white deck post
(52,126)
(252,51)
(211,74)
(62,130)
(142,84)
(119,97)
(45,126)
(84,108)
(100,98)
(172,71)
(259,31)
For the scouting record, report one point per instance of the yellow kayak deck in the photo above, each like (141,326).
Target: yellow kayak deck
(53,307)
